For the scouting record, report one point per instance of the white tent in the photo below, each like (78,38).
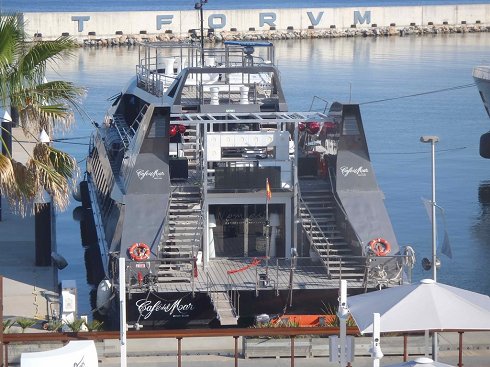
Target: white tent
(421,306)
(75,353)
(420,362)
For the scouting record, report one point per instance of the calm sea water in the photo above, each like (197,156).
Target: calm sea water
(130,5)
(360,70)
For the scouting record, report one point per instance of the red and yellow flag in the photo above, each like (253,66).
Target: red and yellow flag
(268,189)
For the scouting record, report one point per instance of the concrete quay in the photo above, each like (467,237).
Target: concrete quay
(29,291)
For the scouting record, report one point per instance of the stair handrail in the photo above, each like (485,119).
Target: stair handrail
(196,239)
(202,213)
(165,232)
(126,133)
(138,119)
(234,296)
(312,218)
(341,208)
(348,223)
(139,134)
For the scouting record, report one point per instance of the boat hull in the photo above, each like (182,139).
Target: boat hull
(170,309)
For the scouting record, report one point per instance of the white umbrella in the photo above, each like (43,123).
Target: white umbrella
(420,362)
(421,306)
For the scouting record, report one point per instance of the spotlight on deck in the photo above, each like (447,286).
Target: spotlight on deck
(427,264)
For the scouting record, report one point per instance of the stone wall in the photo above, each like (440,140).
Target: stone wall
(282,23)
(125,40)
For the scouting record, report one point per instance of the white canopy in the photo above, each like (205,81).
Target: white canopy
(75,353)
(420,362)
(421,306)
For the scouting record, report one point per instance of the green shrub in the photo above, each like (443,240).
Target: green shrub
(25,323)
(94,325)
(55,325)
(75,325)
(7,324)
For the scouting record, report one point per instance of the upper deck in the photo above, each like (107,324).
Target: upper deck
(241,77)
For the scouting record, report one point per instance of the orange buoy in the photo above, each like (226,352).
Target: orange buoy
(139,251)
(380,246)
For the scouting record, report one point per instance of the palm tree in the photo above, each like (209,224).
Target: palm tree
(41,105)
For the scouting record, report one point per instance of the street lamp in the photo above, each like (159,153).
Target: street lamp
(433,140)
(198,6)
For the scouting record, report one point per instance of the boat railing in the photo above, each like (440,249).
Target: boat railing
(234,296)
(197,239)
(136,133)
(212,291)
(278,274)
(144,275)
(126,132)
(316,98)
(394,270)
(153,82)
(166,225)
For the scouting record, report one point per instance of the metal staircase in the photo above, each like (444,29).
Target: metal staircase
(190,147)
(317,211)
(181,239)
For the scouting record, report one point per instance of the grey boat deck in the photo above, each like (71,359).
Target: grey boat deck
(223,274)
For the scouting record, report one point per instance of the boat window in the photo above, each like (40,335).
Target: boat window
(249,152)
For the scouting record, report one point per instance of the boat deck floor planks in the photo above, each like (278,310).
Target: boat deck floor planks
(215,277)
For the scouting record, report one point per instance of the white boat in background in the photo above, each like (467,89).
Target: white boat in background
(481,75)
(225,204)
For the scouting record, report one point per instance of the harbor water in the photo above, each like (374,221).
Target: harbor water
(407,87)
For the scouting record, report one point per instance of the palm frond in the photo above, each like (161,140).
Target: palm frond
(11,39)
(3,144)
(61,162)
(33,63)
(22,193)
(26,182)
(7,178)
(52,181)
(49,105)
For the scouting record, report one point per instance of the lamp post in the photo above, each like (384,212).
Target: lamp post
(198,6)
(433,140)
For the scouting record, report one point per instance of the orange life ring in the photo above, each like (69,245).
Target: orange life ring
(139,251)
(380,246)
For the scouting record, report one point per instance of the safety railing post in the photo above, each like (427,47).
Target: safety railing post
(292,350)
(179,352)
(236,350)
